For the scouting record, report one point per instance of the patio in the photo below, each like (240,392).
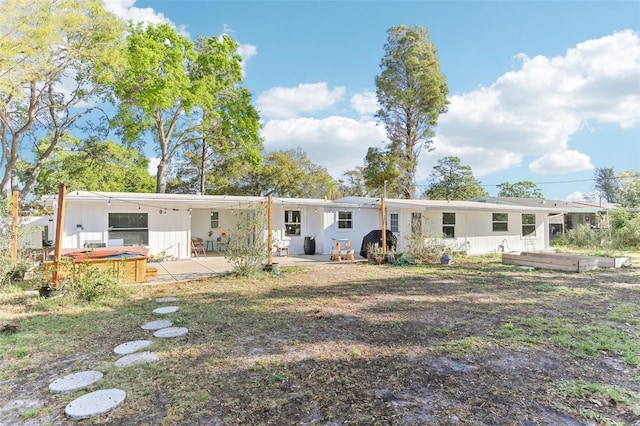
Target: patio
(198,268)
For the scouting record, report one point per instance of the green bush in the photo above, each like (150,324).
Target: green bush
(89,283)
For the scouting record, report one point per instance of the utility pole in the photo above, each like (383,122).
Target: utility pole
(202,162)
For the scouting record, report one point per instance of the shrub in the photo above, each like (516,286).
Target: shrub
(248,247)
(89,283)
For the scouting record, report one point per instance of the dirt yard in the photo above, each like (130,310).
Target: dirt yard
(472,343)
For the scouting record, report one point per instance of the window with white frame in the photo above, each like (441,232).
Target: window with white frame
(449,225)
(394,222)
(292,222)
(215,220)
(500,222)
(528,225)
(345,220)
(132,228)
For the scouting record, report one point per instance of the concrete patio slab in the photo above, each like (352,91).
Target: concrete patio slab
(75,381)
(94,403)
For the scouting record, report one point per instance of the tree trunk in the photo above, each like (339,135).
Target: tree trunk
(161,178)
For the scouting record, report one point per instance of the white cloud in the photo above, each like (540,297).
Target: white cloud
(365,104)
(290,102)
(126,10)
(561,162)
(337,143)
(537,109)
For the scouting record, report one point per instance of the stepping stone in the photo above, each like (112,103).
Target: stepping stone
(94,403)
(131,347)
(157,325)
(167,299)
(167,333)
(137,358)
(75,381)
(165,310)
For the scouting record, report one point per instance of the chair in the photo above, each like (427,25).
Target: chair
(222,243)
(348,252)
(280,249)
(335,253)
(197,246)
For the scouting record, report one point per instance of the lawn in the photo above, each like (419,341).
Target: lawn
(475,342)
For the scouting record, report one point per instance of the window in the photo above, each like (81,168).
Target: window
(449,225)
(345,220)
(394,222)
(132,228)
(215,220)
(292,222)
(528,225)
(416,223)
(500,222)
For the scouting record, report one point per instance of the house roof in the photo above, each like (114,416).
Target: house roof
(187,201)
(568,206)
(455,205)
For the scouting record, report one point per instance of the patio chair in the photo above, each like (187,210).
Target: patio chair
(222,243)
(197,247)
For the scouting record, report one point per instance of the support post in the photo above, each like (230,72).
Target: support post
(384,225)
(57,252)
(14,229)
(269,231)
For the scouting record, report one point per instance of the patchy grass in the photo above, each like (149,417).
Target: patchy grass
(476,342)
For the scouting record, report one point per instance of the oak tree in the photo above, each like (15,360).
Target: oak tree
(450,180)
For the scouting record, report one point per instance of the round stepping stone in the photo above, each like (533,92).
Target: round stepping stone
(157,325)
(75,381)
(94,403)
(165,310)
(131,347)
(137,358)
(167,333)
(167,299)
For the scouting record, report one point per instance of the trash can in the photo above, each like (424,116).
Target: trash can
(309,245)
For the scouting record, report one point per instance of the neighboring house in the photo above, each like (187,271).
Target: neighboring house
(167,222)
(575,212)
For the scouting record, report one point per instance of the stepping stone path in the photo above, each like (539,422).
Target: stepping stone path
(94,403)
(157,325)
(75,381)
(137,358)
(165,310)
(101,401)
(131,347)
(166,333)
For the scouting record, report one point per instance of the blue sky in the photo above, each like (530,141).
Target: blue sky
(543,91)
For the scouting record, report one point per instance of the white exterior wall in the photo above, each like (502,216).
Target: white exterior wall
(475,231)
(365,220)
(170,232)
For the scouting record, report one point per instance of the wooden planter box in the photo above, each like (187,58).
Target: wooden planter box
(563,262)
(129,270)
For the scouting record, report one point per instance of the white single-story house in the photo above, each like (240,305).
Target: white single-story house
(168,222)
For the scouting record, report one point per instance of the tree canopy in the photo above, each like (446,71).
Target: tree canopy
(57,61)
(606,184)
(290,173)
(172,87)
(522,189)
(450,180)
(412,93)
(94,165)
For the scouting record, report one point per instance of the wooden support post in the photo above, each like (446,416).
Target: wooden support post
(14,229)
(269,231)
(57,252)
